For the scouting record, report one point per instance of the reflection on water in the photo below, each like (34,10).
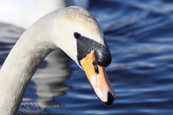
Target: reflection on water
(48,83)
(49,80)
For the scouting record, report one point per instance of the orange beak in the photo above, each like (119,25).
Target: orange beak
(98,79)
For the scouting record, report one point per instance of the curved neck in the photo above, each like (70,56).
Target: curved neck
(20,65)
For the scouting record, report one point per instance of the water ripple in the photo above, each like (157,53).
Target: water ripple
(139,35)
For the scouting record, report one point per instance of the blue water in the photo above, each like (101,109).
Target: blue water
(139,34)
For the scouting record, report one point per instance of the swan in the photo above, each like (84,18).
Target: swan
(24,13)
(72,29)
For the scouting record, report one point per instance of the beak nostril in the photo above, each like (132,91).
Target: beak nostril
(96,67)
(110,99)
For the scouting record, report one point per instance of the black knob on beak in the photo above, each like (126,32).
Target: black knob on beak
(103,56)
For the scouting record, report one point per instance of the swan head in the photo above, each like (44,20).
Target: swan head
(83,40)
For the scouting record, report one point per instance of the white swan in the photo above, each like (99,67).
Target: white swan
(23,13)
(77,33)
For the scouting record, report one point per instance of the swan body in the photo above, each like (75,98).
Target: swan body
(24,13)
(72,29)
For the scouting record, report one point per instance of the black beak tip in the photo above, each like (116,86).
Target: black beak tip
(110,99)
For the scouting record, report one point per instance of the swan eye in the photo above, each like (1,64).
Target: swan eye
(77,35)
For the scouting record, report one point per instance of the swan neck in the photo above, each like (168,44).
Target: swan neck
(18,68)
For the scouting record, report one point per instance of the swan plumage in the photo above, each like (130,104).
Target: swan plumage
(24,13)
(72,29)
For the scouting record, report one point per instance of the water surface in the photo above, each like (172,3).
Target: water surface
(140,37)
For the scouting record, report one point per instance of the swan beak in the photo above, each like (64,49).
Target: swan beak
(98,79)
